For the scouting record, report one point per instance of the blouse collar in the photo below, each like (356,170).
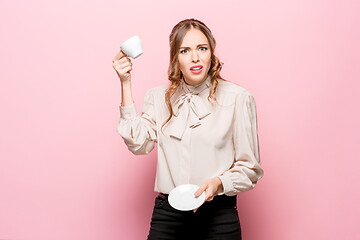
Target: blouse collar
(198,88)
(188,107)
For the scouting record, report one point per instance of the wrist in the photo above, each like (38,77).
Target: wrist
(220,185)
(126,83)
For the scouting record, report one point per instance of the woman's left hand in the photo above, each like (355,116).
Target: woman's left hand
(210,187)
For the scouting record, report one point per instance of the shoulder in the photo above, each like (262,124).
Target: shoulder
(229,93)
(157,91)
(233,88)
(156,94)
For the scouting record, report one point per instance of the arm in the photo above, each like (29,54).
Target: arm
(126,94)
(246,169)
(139,132)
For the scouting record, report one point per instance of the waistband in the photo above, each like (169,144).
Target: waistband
(219,200)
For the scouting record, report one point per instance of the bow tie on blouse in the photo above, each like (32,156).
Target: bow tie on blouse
(189,108)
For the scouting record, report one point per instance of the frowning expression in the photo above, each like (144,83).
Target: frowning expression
(194,57)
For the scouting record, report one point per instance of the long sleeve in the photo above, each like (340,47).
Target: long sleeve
(139,132)
(246,169)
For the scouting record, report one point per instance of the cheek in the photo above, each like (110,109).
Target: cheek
(208,60)
(182,63)
(206,57)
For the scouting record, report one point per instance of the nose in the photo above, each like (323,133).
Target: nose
(195,57)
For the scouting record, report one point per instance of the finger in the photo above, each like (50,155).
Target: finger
(200,190)
(195,210)
(121,60)
(210,194)
(125,64)
(210,198)
(119,55)
(127,69)
(122,65)
(124,59)
(207,195)
(124,70)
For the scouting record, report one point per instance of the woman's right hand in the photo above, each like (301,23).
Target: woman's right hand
(122,65)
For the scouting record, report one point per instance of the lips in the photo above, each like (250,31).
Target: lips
(197,67)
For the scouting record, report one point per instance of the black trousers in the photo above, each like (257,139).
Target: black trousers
(217,219)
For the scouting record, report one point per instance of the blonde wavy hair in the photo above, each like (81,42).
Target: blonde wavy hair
(174,74)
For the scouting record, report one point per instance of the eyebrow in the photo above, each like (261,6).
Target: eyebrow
(202,44)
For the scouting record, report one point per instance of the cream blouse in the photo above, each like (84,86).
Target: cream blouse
(202,140)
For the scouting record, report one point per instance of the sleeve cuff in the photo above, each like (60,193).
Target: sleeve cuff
(128,112)
(227,184)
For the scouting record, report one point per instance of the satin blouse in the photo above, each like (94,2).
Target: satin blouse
(202,140)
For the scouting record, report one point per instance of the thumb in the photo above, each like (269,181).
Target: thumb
(200,190)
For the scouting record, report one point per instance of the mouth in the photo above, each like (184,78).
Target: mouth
(196,69)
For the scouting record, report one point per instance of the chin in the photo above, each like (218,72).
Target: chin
(197,77)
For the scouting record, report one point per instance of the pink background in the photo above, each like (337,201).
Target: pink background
(65,173)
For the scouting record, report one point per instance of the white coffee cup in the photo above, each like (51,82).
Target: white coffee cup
(132,47)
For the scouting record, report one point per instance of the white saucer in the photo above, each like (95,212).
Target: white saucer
(183,198)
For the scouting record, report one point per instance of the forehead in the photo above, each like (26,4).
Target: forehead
(194,37)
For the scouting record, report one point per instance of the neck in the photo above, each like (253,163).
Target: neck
(193,84)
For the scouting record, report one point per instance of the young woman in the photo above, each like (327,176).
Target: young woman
(206,131)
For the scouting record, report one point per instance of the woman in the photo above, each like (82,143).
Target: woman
(206,130)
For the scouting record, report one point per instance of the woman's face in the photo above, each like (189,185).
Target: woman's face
(194,51)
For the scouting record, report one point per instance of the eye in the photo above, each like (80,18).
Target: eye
(203,48)
(182,51)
